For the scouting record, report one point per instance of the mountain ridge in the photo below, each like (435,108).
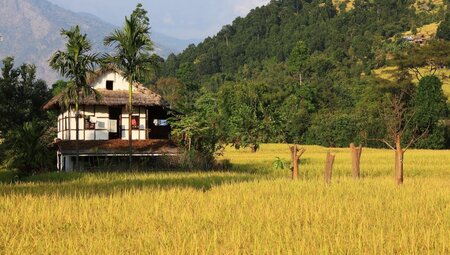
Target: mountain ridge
(30,30)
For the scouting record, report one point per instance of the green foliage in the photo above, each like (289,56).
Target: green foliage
(333,129)
(187,75)
(296,71)
(21,95)
(274,30)
(297,59)
(58,87)
(141,14)
(132,48)
(132,56)
(26,149)
(443,31)
(76,61)
(434,55)
(198,133)
(430,106)
(174,91)
(250,108)
(279,163)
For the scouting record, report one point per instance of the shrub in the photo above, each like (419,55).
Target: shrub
(197,133)
(26,149)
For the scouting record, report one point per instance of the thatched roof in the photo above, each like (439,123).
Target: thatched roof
(118,147)
(142,96)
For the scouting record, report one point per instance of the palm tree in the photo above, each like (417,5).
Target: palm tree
(132,49)
(75,63)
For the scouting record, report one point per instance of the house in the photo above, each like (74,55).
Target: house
(103,124)
(419,40)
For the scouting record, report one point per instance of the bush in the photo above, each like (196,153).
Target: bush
(25,149)
(443,31)
(197,133)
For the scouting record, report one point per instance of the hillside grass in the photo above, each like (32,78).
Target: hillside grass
(428,31)
(420,5)
(443,74)
(252,208)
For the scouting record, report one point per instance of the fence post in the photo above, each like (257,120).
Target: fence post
(329,167)
(295,157)
(356,160)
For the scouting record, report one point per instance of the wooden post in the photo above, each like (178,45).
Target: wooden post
(356,160)
(329,167)
(295,157)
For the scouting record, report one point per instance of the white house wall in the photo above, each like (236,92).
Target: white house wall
(102,124)
(67,124)
(119,82)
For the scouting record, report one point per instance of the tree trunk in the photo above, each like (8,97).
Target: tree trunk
(399,155)
(295,158)
(295,163)
(329,167)
(77,130)
(130,130)
(356,160)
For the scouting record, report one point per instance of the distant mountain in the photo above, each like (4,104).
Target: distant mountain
(166,44)
(30,31)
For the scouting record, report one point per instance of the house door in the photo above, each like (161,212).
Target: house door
(115,118)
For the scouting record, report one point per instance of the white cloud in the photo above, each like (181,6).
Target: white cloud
(244,6)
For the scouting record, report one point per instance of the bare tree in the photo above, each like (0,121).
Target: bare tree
(397,117)
(295,158)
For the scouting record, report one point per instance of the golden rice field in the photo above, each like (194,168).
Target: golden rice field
(251,209)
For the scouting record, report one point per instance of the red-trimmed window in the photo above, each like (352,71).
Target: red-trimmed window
(134,122)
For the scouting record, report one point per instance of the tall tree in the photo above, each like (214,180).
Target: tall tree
(132,55)
(297,60)
(434,55)
(75,63)
(443,31)
(397,116)
(430,106)
(21,95)
(172,90)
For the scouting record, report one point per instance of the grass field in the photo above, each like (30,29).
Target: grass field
(252,208)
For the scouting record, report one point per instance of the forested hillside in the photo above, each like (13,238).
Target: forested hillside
(272,31)
(302,71)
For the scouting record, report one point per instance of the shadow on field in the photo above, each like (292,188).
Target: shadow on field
(80,184)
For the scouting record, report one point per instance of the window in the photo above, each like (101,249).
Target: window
(160,123)
(109,85)
(88,125)
(135,122)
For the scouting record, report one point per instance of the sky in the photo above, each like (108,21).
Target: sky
(183,19)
